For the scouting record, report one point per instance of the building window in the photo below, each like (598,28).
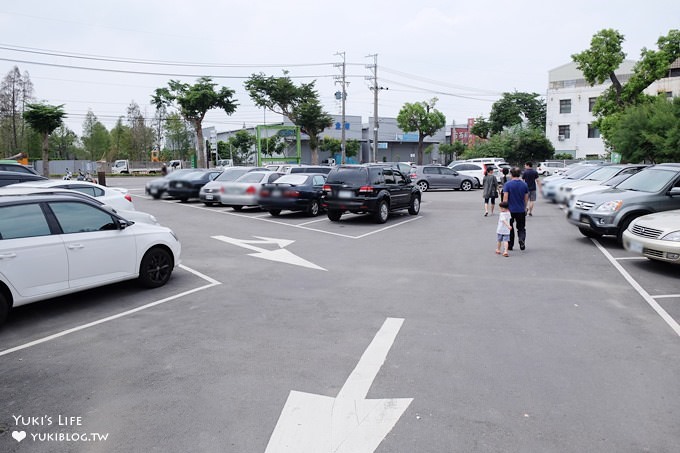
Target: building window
(565,105)
(593,132)
(564,132)
(591,104)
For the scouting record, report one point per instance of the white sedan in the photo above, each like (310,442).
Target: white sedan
(655,236)
(116,197)
(57,244)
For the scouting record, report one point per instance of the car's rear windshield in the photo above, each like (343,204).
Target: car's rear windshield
(296,179)
(231,174)
(253,176)
(349,176)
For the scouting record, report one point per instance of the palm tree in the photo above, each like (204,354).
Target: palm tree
(44,119)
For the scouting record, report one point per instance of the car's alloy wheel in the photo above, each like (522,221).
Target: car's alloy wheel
(383,212)
(156,268)
(466,185)
(314,208)
(334,215)
(414,207)
(423,186)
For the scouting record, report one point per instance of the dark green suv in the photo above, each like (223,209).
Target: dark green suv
(369,188)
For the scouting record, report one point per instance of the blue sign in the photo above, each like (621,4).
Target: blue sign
(337,126)
(409,137)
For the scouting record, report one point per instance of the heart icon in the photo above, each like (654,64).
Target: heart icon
(19,435)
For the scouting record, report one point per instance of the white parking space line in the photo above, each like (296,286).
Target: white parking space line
(631,258)
(645,295)
(667,296)
(388,227)
(312,221)
(212,282)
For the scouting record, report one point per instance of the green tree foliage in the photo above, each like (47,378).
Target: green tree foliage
(423,118)
(193,102)
(516,145)
(481,128)
(121,137)
(178,137)
(452,151)
(96,138)
(513,109)
(241,146)
(605,55)
(16,92)
(63,143)
(142,138)
(334,146)
(563,156)
(648,132)
(300,104)
(44,118)
(273,145)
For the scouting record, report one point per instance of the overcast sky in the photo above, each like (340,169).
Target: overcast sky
(465,53)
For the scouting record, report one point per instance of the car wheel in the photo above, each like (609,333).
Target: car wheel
(155,268)
(208,203)
(423,186)
(275,212)
(156,196)
(382,212)
(314,208)
(466,185)
(183,200)
(334,215)
(4,308)
(589,234)
(237,208)
(624,227)
(414,207)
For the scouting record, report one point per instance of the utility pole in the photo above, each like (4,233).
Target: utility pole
(375,88)
(343,94)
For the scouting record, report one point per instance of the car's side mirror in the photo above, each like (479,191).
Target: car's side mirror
(674,191)
(122,223)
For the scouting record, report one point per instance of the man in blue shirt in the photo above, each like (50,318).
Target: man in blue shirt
(516,194)
(530,176)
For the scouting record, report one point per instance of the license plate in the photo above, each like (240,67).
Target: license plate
(345,194)
(153,191)
(276,193)
(208,197)
(635,246)
(179,184)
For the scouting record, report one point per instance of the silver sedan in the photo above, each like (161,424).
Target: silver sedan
(246,189)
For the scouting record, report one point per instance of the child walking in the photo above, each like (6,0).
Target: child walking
(503,229)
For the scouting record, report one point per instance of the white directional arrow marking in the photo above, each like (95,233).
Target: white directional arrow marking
(281,255)
(348,423)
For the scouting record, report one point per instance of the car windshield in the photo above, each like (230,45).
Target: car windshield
(347,175)
(617,179)
(254,176)
(581,173)
(294,179)
(649,180)
(231,174)
(603,174)
(177,174)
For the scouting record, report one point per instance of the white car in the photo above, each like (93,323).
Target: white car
(135,216)
(474,170)
(549,168)
(116,197)
(655,236)
(54,245)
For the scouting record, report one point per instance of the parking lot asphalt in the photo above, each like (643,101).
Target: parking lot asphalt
(273,325)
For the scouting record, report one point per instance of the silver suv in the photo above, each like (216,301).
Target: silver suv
(428,177)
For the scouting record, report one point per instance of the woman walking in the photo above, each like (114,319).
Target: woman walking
(490,189)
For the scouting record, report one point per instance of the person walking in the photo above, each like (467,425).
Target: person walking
(503,229)
(490,191)
(530,176)
(504,179)
(516,194)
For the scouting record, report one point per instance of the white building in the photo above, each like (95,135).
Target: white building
(570,100)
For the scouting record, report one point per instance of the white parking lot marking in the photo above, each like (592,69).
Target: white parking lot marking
(212,282)
(645,295)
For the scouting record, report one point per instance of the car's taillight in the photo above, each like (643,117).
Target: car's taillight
(413,175)
(366,189)
(264,193)
(251,190)
(326,188)
(292,193)
(222,189)
(128,197)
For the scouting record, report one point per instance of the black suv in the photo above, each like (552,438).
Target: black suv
(369,188)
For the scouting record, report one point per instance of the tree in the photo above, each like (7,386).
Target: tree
(141,136)
(16,91)
(481,128)
(516,108)
(63,141)
(516,145)
(193,102)
(96,138)
(300,104)
(452,151)
(423,118)
(120,141)
(273,145)
(178,137)
(648,132)
(44,119)
(334,146)
(603,58)
(241,146)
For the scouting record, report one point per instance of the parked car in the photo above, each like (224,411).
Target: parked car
(550,187)
(324,169)
(189,185)
(14,177)
(117,197)
(16,167)
(245,190)
(156,188)
(428,177)
(211,192)
(581,191)
(653,189)
(54,245)
(471,169)
(598,176)
(293,192)
(133,215)
(373,189)
(655,236)
(548,168)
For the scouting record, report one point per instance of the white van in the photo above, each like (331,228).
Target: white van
(548,168)
(488,160)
